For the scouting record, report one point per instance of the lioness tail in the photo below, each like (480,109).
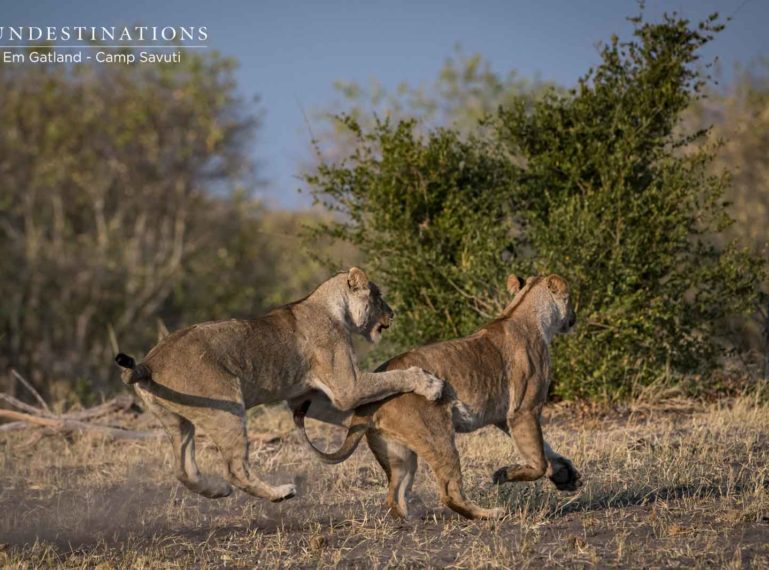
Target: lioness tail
(133,373)
(355,433)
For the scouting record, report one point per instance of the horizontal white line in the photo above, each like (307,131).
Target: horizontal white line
(104,47)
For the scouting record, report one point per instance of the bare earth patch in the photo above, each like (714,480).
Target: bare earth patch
(662,489)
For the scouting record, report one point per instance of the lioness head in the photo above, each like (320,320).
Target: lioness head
(550,295)
(369,312)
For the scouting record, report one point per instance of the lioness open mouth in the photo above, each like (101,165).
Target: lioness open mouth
(381,326)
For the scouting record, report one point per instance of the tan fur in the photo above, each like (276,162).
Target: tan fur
(207,375)
(499,376)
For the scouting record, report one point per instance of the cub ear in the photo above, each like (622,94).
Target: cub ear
(557,285)
(357,279)
(514,284)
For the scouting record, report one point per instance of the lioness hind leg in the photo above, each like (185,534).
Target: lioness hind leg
(181,432)
(188,473)
(400,465)
(443,458)
(229,434)
(447,470)
(430,433)
(527,436)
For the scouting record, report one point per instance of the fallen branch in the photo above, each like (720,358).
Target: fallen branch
(70,426)
(120,404)
(26,416)
(14,426)
(31,388)
(25,407)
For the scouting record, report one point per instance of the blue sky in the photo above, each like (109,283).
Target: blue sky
(291,52)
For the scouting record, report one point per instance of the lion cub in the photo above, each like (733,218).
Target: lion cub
(498,375)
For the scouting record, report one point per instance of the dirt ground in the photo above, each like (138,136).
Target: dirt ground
(682,485)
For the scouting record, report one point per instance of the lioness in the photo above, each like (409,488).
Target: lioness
(498,375)
(207,375)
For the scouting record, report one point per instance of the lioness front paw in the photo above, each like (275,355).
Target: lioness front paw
(431,387)
(504,475)
(564,475)
(283,492)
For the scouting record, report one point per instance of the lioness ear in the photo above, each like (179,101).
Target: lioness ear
(357,279)
(514,284)
(557,285)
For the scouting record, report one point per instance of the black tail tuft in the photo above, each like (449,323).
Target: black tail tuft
(133,372)
(125,361)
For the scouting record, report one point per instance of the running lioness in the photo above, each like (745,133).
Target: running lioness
(498,375)
(207,375)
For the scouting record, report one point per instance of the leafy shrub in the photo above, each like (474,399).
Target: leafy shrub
(431,218)
(597,184)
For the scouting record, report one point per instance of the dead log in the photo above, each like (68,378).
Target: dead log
(31,388)
(27,416)
(14,426)
(67,426)
(122,403)
(25,407)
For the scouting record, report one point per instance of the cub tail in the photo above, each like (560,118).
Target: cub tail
(355,433)
(133,372)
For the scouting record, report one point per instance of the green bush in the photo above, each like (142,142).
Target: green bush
(431,218)
(597,184)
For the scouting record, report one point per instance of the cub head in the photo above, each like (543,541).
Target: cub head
(369,312)
(551,297)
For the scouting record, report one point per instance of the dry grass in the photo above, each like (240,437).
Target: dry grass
(664,488)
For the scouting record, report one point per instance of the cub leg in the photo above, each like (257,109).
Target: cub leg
(181,432)
(400,465)
(428,430)
(526,432)
(229,434)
